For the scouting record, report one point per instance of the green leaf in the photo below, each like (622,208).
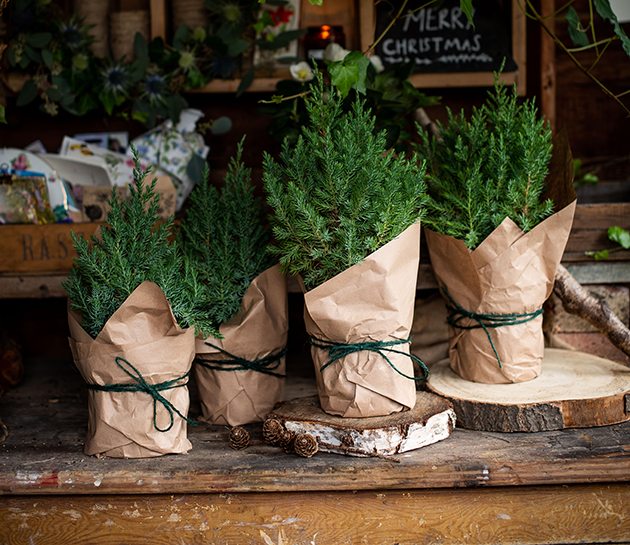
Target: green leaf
(194,168)
(620,236)
(28,93)
(39,39)
(343,75)
(590,178)
(140,46)
(467,7)
(54,94)
(3,119)
(108,102)
(47,57)
(179,40)
(576,32)
(140,116)
(601,255)
(61,84)
(237,47)
(195,79)
(605,11)
(176,103)
(32,54)
(363,62)
(246,82)
(316,2)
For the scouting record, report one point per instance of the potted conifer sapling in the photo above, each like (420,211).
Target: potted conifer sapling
(133,320)
(240,367)
(499,214)
(346,217)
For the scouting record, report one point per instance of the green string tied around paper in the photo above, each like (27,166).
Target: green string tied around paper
(337,351)
(485,321)
(141,385)
(265,365)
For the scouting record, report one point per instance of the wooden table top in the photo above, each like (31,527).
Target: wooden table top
(46,417)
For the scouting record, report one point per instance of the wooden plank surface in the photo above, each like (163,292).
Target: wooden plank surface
(590,230)
(524,515)
(47,422)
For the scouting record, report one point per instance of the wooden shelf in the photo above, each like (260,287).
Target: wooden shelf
(471,487)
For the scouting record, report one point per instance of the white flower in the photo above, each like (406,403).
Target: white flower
(377,63)
(334,53)
(301,71)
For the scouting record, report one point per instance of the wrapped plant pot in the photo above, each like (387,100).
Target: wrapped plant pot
(494,238)
(240,367)
(133,321)
(137,371)
(242,376)
(360,322)
(346,216)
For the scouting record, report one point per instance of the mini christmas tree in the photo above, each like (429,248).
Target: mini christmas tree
(338,195)
(240,371)
(481,171)
(225,241)
(133,248)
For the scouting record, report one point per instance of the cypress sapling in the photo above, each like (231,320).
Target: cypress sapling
(132,248)
(225,240)
(338,195)
(481,171)
(240,372)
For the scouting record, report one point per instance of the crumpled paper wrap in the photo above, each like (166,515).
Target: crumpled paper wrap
(144,332)
(371,301)
(260,329)
(510,272)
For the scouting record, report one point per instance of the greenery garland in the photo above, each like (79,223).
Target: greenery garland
(52,53)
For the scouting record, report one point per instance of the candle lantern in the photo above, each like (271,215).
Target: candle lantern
(318,37)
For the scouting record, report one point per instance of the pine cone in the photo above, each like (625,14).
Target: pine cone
(271,431)
(238,438)
(305,445)
(286,440)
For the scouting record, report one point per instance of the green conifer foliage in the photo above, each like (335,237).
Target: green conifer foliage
(225,240)
(486,169)
(338,195)
(132,248)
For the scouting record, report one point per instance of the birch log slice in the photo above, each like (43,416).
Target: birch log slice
(574,390)
(431,420)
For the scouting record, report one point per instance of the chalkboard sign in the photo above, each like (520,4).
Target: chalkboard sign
(440,39)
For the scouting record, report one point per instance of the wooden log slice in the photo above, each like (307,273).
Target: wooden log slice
(574,390)
(432,419)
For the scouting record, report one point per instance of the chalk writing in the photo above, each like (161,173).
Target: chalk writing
(443,40)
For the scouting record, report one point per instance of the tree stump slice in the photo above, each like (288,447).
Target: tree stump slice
(574,390)
(431,420)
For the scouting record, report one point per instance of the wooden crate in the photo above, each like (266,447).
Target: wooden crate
(40,249)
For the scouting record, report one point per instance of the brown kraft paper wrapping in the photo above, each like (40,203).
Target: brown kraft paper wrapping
(510,272)
(144,332)
(371,301)
(237,397)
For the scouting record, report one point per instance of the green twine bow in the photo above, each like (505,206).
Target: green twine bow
(337,351)
(264,365)
(152,389)
(485,321)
